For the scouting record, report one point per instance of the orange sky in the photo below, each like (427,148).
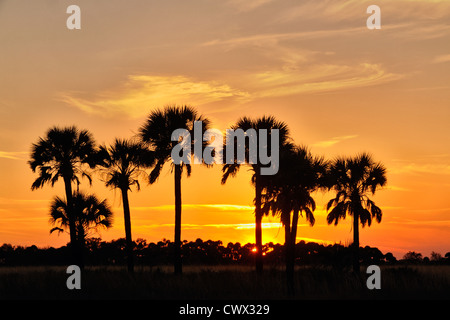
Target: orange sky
(340,87)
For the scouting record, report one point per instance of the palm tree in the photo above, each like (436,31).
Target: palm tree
(123,162)
(157,134)
(62,154)
(231,169)
(353,179)
(90,214)
(289,191)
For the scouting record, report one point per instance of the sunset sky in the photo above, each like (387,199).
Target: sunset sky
(340,87)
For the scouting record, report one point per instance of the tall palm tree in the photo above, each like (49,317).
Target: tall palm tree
(157,134)
(123,163)
(90,214)
(289,191)
(231,169)
(62,154)
(353,179)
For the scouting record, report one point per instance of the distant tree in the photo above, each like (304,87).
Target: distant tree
(156,133)
(435,256)
(62,154)
(353,179)
(412,256)
(123,163)
(389,257)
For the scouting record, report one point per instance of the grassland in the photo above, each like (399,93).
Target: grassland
(223,282)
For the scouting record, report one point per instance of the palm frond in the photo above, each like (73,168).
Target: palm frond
(229,170)
(61,154)
(309,216)
(337,213)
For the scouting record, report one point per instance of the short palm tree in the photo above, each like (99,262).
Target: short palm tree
(289,191)
(353,179)
(123,163)
(156,133)
(63,153)
(231,169)
(90,213)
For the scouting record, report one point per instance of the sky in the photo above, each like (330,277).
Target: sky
(341,88)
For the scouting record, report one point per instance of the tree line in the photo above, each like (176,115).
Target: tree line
(199,252)
(72,154)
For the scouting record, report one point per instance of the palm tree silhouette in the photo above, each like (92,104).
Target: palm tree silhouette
(353,179)
(62,154)
(122,165)
(156,133)
(90,214)
(231,169)
(289,191)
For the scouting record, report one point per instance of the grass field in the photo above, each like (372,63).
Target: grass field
(223,282)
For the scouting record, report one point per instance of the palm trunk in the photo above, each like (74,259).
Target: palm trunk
(355,244)
(258,226)
(294,227)
(82,245)
(74,246)
(289,254)
(128,239)
(70,215)
(177,250)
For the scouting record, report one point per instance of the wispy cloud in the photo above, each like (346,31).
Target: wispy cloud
(139,93)
(270,38)
(353,10)
(397,188)
(221,207)
(236,226)
(13,155)
(442,58)
(317,78)
(421,168)
(420,223)
(11,201)
(333,141)
(247,5)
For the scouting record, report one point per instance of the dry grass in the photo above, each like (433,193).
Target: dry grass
(222,282)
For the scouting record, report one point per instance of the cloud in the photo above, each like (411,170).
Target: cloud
(270,38)
(22,201)
(316,78)
(397,188)
(239,226)
(13,155)
(295,74)
(442,58)
(139,93)
(420,223)
(236,226)
(247,5)
(355,10)
(292,69)
(333,141)
(422,31)
(421,168)
(221,207)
